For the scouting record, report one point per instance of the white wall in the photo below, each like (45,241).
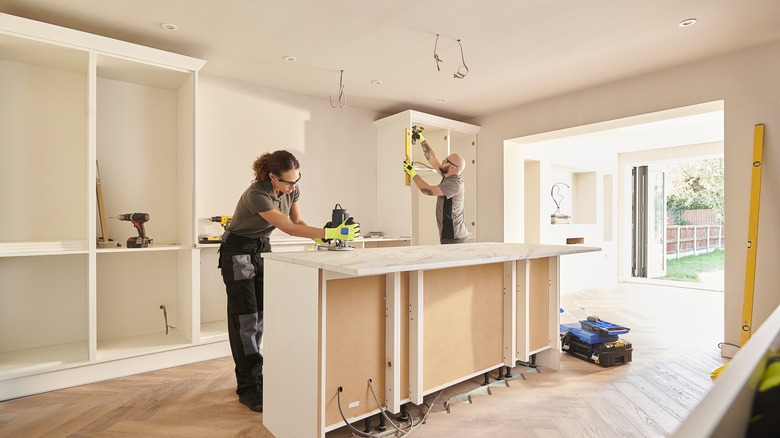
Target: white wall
(336,148)
(748,83)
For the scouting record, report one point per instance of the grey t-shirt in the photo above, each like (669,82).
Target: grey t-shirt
(259,197)
(449,209)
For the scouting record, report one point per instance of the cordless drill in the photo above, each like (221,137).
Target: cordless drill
(138,220)
(417,134)
(222,220)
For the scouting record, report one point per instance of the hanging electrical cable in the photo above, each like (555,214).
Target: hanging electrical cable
(342,99)
(338,400)
(458,74)
(435,56)
(411,429)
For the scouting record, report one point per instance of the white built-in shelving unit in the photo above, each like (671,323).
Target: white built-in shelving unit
(71,312)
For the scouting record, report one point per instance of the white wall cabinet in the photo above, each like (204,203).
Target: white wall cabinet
(70,312)
(402,210)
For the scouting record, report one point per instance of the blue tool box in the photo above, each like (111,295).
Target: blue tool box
(587,335)
(596,325)
(596,341)
(605,354)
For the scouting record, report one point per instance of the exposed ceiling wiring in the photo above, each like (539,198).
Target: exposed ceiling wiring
(342,99)
(458,74)
(435,56)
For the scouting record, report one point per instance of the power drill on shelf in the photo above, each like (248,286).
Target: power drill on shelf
(138,220)
(222,220)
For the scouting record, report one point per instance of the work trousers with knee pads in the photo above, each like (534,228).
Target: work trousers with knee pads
(242,272)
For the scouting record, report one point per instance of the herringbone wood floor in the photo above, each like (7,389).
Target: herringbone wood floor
(674,333)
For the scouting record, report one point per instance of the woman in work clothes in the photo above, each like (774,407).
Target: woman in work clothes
(270,202)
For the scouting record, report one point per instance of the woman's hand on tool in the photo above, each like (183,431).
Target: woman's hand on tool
(348,230)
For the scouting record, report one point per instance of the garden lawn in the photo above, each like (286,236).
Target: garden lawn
(688,268)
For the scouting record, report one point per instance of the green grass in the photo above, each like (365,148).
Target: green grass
(688,268)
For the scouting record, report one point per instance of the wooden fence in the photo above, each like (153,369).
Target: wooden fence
(704,216)
(683,240)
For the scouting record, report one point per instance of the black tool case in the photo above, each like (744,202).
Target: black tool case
(606,354)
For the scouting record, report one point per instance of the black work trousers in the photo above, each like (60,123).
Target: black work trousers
(242,272)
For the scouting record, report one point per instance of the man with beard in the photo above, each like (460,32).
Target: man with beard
(449,193)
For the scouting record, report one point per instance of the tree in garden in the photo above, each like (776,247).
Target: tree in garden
(696,185)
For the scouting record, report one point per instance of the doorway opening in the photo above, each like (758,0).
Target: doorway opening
(685,241)
(576,186)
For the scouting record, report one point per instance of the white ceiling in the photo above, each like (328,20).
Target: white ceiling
(517,51)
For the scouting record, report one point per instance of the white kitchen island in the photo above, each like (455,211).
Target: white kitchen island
(412,320)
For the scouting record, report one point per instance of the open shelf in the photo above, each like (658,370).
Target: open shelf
(153,248)
(213,331)
(18,249)
(43,141)
(120,348)
(43,305)
(132,286)
(43,359)
(144,149)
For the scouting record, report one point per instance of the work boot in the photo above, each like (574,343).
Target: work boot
(253,398)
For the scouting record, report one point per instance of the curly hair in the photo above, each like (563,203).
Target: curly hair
(274,162)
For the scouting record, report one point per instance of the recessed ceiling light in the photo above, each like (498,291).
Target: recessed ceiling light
(441,100)
(687,23)
(290,58)
(377,82)
(169,26)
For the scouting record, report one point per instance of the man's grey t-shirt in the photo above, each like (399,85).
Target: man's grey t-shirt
(449,209)
(259,197)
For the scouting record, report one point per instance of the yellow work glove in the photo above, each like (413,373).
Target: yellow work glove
(348,230)
(323,241)
(417,134)
(409,169)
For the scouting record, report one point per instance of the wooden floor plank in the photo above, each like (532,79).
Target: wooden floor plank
(635,414)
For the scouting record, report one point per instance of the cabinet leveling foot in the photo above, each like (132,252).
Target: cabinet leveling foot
(531,364)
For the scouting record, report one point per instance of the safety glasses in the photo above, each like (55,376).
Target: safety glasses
(292,183)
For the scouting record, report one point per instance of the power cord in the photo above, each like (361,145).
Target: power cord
(421,164)
(412,429)
(361,433)
(720,344)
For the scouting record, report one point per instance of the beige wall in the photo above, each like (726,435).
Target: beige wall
(749,83)
(335,147)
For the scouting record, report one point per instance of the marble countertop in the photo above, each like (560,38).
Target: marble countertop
(282,240)
(372,261)
(291,240)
